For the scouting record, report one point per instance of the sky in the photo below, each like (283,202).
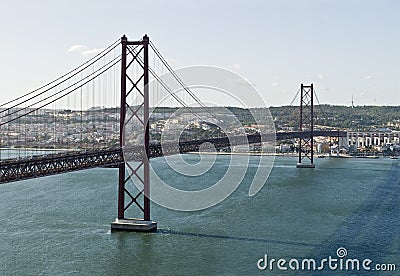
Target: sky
(347,48)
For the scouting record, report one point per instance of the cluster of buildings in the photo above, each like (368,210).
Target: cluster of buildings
(99,127)
(382,141)
(61,129)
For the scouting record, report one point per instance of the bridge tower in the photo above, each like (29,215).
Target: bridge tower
(306,144)
(134,53)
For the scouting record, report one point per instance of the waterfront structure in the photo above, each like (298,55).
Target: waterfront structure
(93,140)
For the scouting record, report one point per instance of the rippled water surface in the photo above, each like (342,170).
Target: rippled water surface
(60,224)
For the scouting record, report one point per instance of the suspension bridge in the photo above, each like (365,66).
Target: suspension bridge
(111,111)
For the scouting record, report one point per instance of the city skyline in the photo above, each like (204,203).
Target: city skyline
(349,50)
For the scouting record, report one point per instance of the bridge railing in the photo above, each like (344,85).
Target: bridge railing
(49,164)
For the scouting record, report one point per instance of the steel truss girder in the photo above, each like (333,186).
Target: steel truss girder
(40,166)
(20,169)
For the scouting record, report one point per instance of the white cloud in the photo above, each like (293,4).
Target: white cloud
(91,52)
(77,48)
(275,84)
(84,50)
(367,77)
(320,76)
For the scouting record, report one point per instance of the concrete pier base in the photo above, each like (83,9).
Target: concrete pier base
(309,166)
(134,225)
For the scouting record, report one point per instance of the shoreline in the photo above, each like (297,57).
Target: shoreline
(291,155)
(36,149)
(245,153)
(220,153)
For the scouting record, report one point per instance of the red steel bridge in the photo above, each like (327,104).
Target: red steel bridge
(48,164)
(110,111)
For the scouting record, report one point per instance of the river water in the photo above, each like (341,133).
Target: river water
(60,224)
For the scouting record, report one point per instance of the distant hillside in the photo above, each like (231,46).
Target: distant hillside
(359,117)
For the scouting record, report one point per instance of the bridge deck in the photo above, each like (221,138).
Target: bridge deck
(50,164)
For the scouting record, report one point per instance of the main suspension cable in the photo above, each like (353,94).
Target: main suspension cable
(77,70)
